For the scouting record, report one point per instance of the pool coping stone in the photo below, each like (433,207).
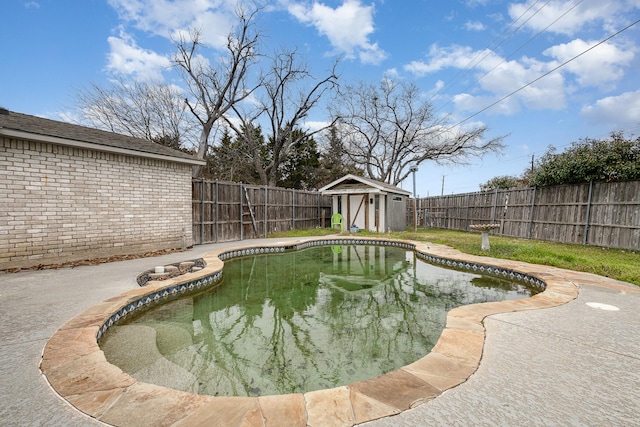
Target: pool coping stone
(75,366)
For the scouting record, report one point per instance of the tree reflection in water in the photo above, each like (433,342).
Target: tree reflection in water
(308,320)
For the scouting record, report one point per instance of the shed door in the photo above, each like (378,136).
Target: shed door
(357,209)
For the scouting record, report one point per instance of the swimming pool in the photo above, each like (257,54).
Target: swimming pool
(76,367)
(300,320)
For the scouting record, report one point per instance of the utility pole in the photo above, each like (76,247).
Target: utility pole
(442,191)
(413,170)
(532,157)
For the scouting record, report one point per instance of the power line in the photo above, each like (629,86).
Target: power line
(543,75)
(467,68)
(519,48)
(532,38)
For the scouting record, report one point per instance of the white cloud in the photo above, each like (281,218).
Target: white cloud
(166,18)
(455,56)
(372,54)
(126,58)
(510,76)
(465,102)
(602,65)
(348,27)
(609,13)
(392,73)
(496,17)
(495,78)
(474,26)
(618,112)
(474,3)
(314,125)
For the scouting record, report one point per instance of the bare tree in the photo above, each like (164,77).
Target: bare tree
(153,111)
(387,128)
(283,104)
(217,87)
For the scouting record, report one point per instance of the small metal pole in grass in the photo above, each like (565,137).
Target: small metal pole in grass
(413,170)
(484,229)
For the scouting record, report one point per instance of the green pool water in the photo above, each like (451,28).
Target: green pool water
(299,321)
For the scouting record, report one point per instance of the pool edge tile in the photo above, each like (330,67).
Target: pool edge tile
(462,346)
(453,359)
(225,411)
(146,404)
(330,407)
(398,389)
(366,408)
(87,373)
(95,403)
(67,345)
(283,410)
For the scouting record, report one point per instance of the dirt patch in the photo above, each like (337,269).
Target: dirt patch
(93,261)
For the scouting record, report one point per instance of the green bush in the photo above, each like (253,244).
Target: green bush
(613,159)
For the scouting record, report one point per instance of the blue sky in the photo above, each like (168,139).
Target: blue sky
(464,55)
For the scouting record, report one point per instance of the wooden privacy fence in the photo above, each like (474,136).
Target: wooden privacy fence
(226,211)
(603,214)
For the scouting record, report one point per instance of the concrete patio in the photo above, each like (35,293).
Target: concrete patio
(576,363)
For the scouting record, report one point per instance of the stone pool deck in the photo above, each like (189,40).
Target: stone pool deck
(554,359)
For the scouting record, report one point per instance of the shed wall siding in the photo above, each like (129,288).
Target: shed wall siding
(67,204)
(396,212)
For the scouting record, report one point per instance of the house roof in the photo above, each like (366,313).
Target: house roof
(24,126)
(350,184)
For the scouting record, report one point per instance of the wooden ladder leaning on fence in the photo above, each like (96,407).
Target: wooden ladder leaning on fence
(253,217)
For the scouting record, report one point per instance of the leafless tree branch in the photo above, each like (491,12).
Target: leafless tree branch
(389,127)
(216,86)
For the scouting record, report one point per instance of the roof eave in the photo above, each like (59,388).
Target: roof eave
(369,190)
(17,134)
(372,187)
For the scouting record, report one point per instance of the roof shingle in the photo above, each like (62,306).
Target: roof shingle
(38,126)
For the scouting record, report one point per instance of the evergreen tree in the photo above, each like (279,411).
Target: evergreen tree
(300,170)
(334,163)
(230,159)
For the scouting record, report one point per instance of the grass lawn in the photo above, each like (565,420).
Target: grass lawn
(619,264)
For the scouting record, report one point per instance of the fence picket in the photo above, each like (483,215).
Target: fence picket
(603,214)
(218,210)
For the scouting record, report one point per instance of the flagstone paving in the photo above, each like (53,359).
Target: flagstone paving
(77,370)
(562,357)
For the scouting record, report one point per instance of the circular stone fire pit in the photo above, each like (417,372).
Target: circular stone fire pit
(485,229)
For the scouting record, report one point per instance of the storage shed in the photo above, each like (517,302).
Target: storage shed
(71,193)
(368,204)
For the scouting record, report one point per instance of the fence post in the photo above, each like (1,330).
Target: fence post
(587,215)
(202,186)
(504,212)
(241,219)
(425,211)
(293,209)
(318,210)
(266,210)
(466,226)
(445,219)
(217,220)
(495,206)
(533,207)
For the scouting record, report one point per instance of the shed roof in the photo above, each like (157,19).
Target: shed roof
(32,128)
(350,184)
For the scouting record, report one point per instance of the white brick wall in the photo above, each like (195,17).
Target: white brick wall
(62,204)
